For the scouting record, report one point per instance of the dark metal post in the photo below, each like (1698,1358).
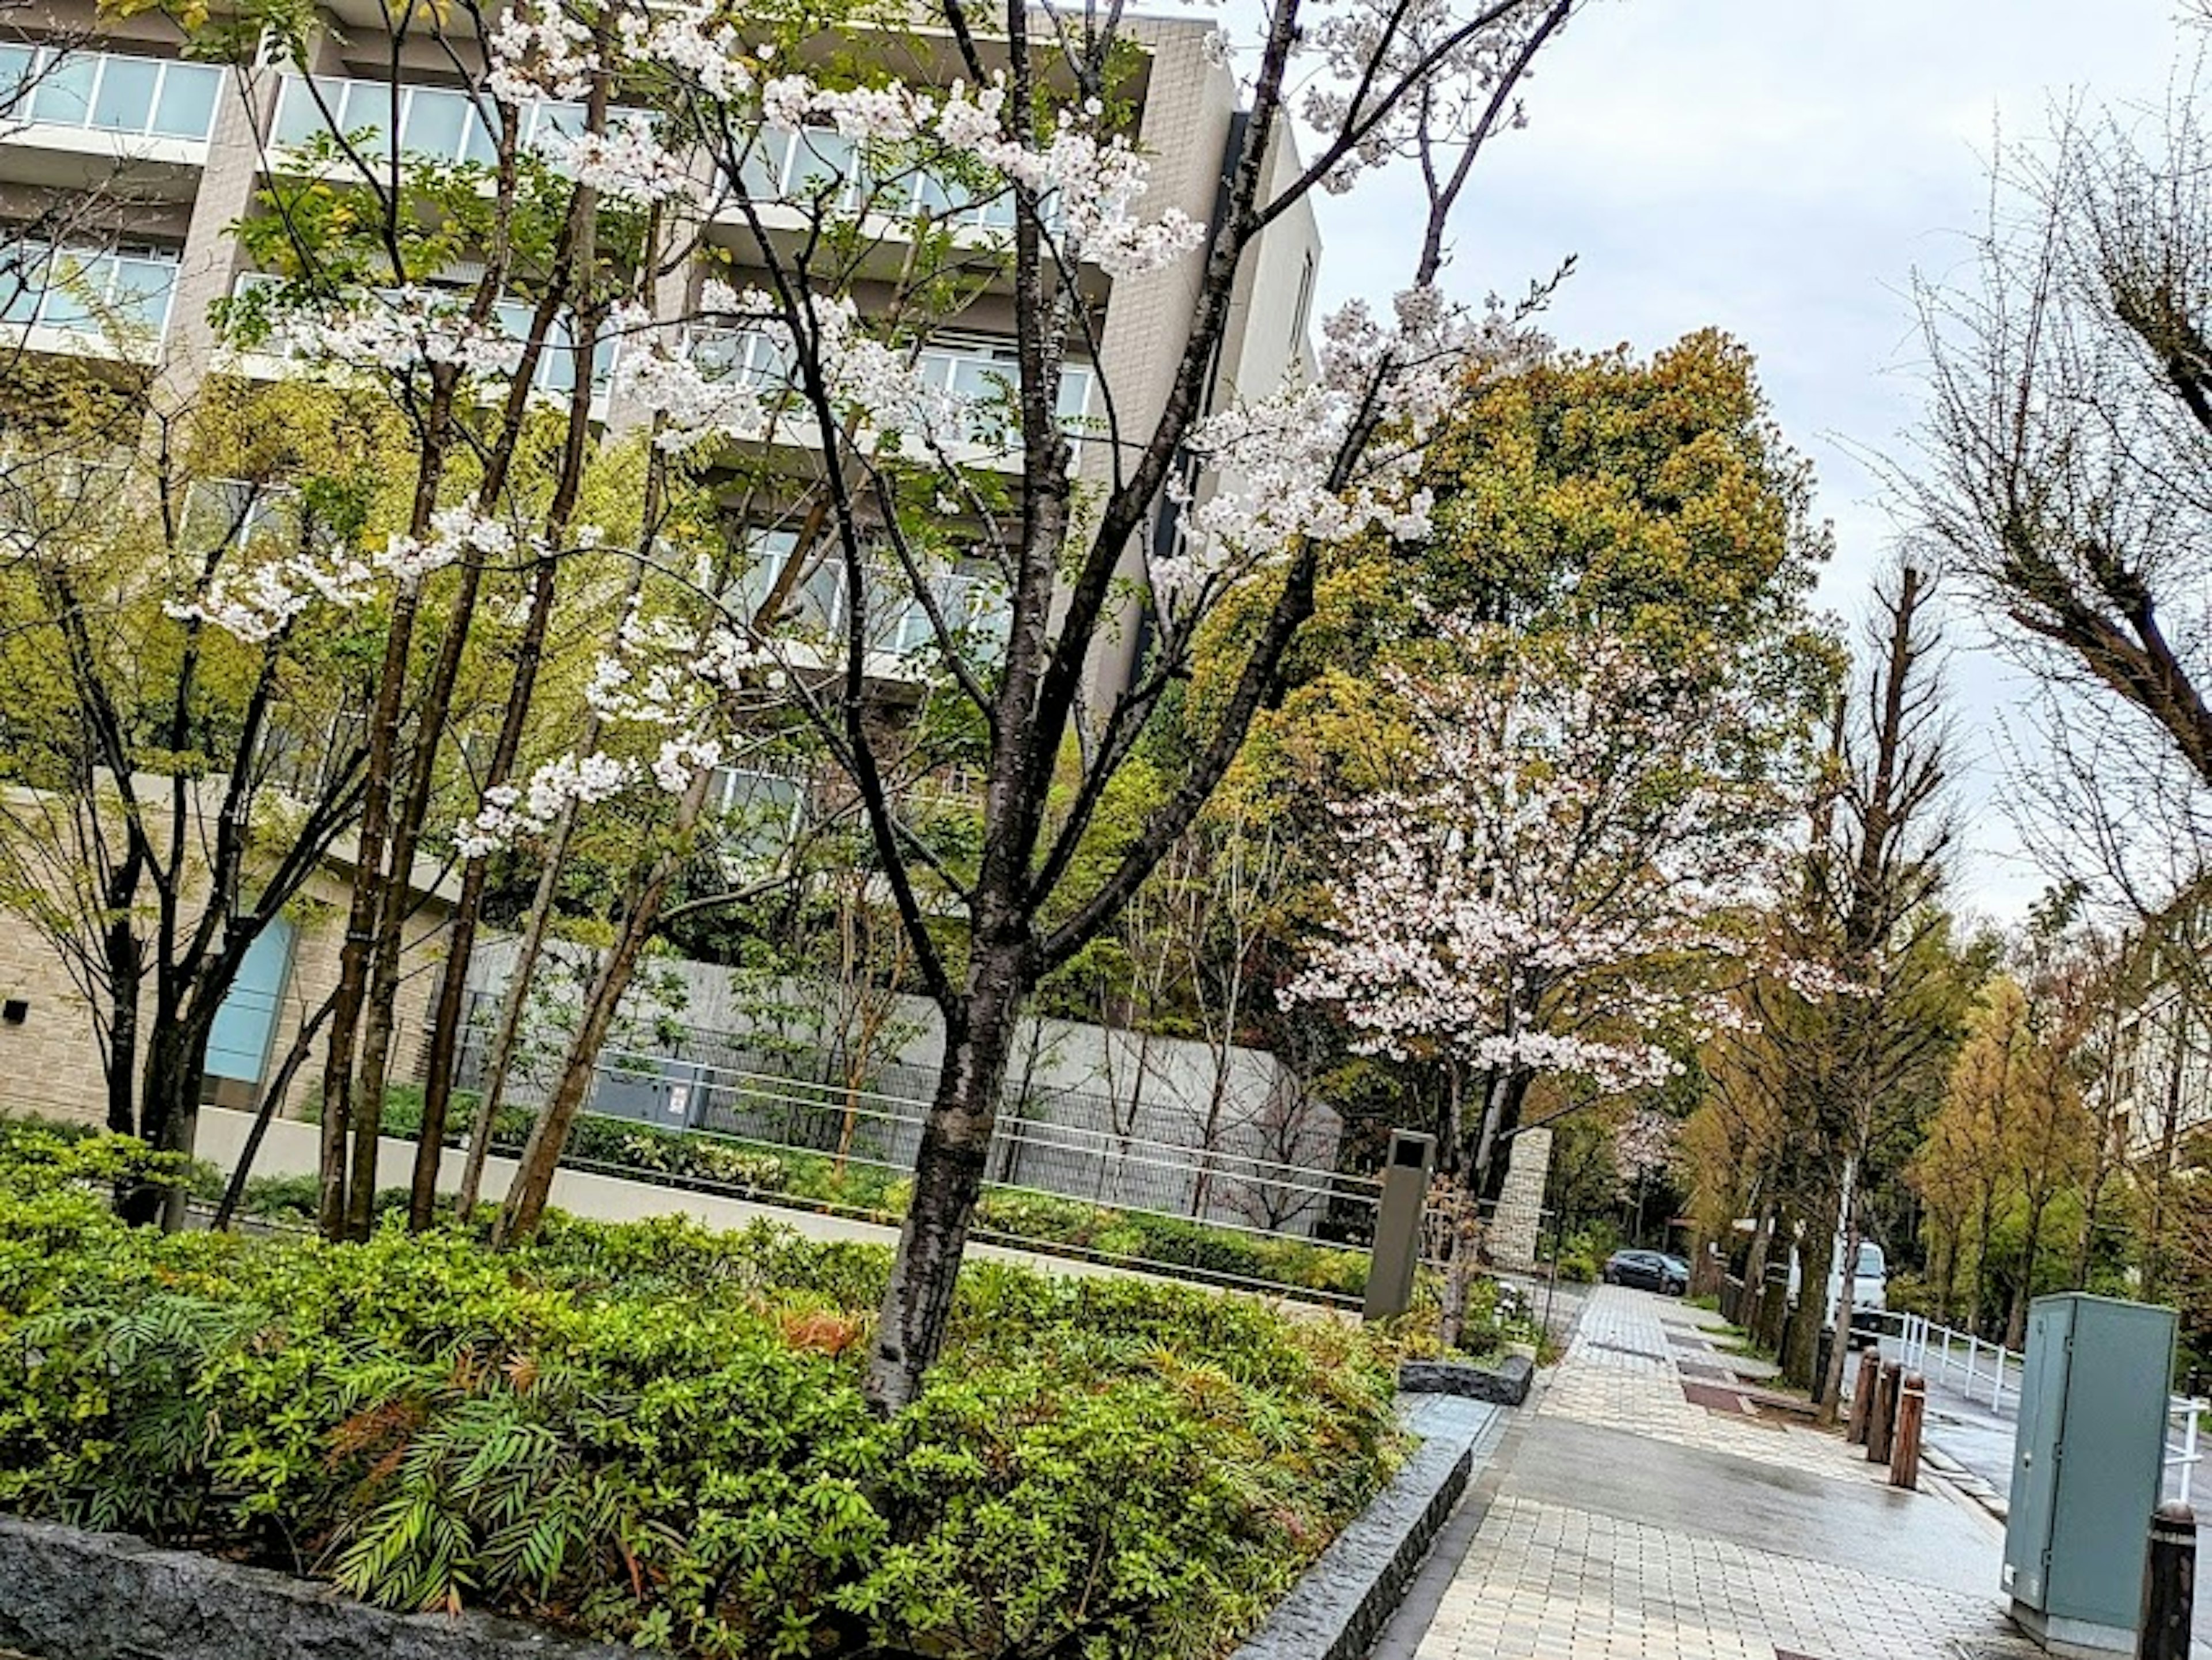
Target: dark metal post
(1884,1416)
(1397,1249)
(1863,1393)
(1551,1279)
(2169,1594)
(1904,1444)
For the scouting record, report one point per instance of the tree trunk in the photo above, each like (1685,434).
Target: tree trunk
(2016,1322)
(460,943)
(1816,1255)
(126,974)
(948,1174)
(1774,1299)
(2162,1185)
(1752,1298)
(507,1031)
(1943,1272)
(1974,1320)
(381,1011)
(176,1067)
(549,1137)
(1832,1381)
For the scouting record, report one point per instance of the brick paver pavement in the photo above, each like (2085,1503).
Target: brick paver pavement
(1622,1371)
(1629,1524)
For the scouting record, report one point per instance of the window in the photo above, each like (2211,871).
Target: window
(970,595)
(80,290)
(988,375)
(763,554)
(749,355)
(438,123)
(108,92)
(39,492)
(237,512)
(821,162)
(765,164)
(556,364)
(759,814)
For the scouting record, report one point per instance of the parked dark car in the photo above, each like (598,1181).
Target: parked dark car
(1648,1270)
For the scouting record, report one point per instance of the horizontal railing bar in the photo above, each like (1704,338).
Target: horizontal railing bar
(1025,1131)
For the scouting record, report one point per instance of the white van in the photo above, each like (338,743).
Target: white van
(1869,1284)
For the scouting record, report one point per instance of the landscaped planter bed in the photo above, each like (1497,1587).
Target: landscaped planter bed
(652,1434)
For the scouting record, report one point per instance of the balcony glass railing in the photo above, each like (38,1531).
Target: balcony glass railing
(556,364)
(435,123)
(970,595)
(122,295)
(108,92)
(984,375)
(784,166)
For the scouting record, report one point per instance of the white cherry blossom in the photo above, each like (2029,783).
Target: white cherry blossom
(627,160)
(1552,888)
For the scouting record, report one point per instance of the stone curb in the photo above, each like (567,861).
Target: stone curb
(1341,1603)
(71,1596)
(1965,1482)
(1506,1386)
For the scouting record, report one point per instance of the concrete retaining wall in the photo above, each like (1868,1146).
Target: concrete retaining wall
(70,1595)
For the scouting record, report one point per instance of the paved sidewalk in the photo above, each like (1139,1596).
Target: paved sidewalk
(1654,1506)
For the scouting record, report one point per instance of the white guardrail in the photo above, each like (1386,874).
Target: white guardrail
(1991,1373)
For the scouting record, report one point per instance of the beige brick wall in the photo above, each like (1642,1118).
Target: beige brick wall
(50,1062)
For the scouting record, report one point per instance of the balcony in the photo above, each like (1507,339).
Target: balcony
(434,124)
(555,377)
(902,642)
(983,373)
(67,117)
(789,177)
(92,302)
(820,161)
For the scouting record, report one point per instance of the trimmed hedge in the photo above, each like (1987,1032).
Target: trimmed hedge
(794,1176)
(657,1434)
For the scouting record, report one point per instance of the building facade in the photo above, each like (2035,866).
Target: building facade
(125,168)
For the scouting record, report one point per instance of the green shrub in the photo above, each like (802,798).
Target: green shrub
(282,1198)
(655,1433)
(794,1176)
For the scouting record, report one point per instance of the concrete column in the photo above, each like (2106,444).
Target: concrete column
(211,258)
(1519,1224)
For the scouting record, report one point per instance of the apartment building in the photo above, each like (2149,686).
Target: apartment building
(131,166)
(124,168)
(2160,1083)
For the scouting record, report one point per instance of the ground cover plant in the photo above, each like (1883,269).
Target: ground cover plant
(658,1434)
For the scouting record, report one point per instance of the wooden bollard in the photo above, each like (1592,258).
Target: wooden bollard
(1884,1416)
(1863,1393)
(1904,1441)
(2169,1594)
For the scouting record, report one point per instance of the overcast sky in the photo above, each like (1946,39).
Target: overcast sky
(1779,169)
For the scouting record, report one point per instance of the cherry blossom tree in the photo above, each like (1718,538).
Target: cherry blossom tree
(1259,486)
(793,381)
(1558,886)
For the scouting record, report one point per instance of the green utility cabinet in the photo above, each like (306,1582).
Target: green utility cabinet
(2087,1461)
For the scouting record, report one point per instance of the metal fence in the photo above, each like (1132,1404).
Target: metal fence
(1047,1142)
(1987,1372)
